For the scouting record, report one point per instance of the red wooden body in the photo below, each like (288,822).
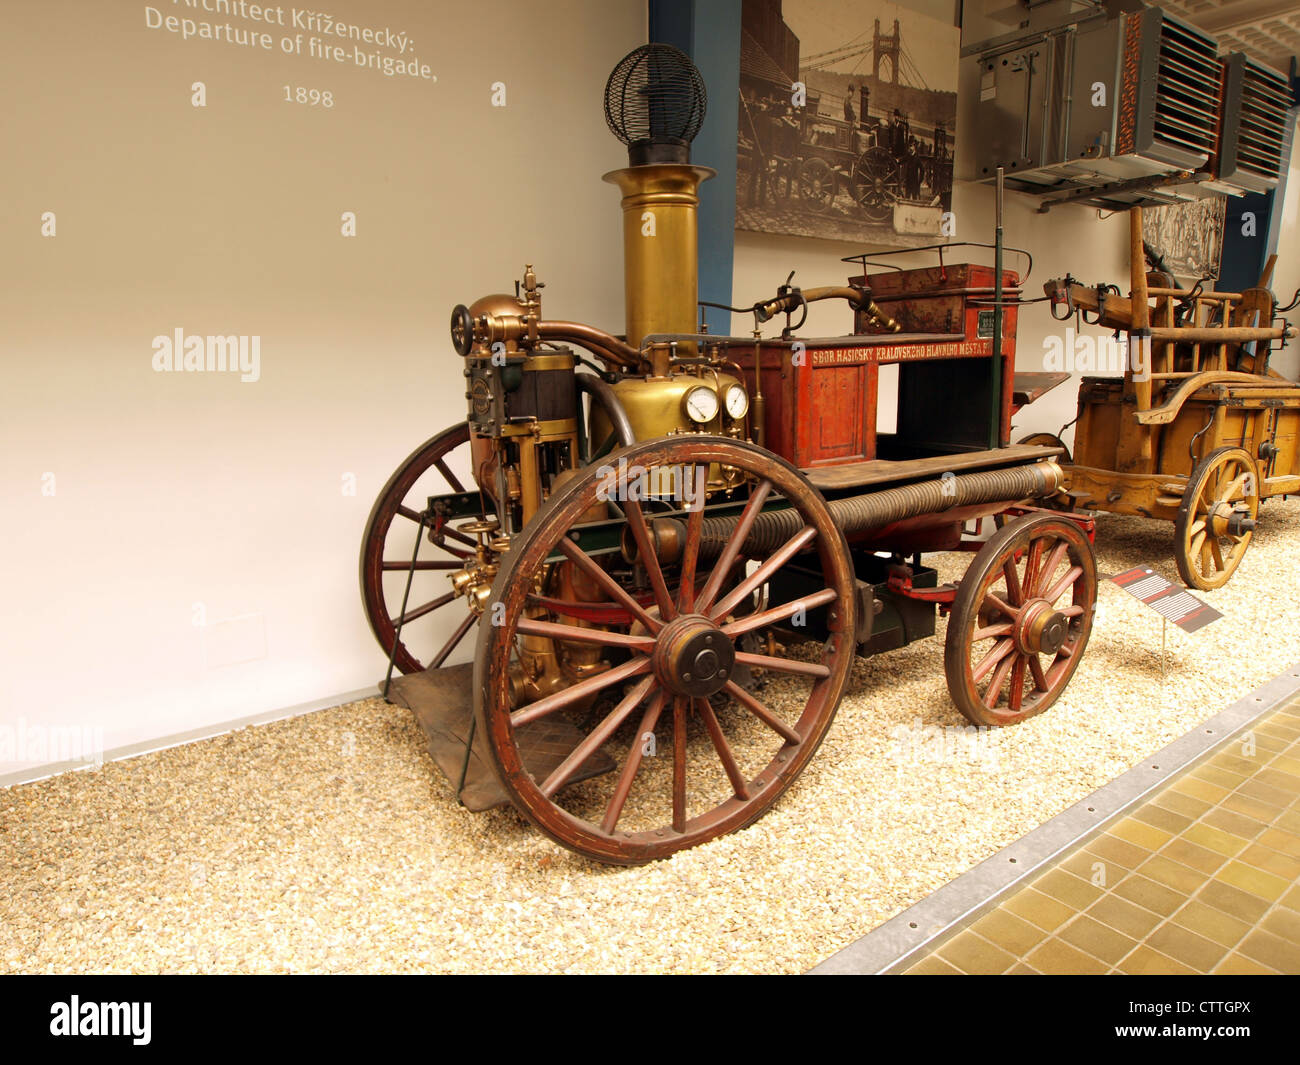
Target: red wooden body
(821,394)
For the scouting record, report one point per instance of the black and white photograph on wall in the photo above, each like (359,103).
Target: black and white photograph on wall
(1188,237)
(847,119)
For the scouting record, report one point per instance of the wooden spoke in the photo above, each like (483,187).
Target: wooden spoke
(579,691)
(456,637)
(605,637)
(762,713)
(427,608)
(731,549)
(765,572)
(725,755)
(443,469)
(624,787)
(1066,582)
(691,549)
(1016,696)
(997,653)
(1234,491)
(1059,668)
(1032,562)
(679,763)
(588,565)
(989,631)
(999,675)
(648,558)
(1050,567)
(1040,678)
(1012,576)
(457,535)
(783,665)
(772,615)
(578,757)
(1008,610)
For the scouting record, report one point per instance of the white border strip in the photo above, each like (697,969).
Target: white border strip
(207,732)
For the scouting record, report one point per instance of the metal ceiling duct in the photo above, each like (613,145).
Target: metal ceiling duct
(1252,150)
(1114,104)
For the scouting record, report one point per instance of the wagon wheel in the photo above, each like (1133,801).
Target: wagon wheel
(670,644)
(1217,518)
(1012,646)
(437,467)
(1048,440)
(818,183)
(877,181)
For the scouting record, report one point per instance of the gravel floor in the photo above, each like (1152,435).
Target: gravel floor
(331,843)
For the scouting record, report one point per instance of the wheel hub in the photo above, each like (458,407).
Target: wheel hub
(1040,629)
(692,656)
(1219,515)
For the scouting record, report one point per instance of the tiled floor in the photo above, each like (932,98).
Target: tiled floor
(1201,878)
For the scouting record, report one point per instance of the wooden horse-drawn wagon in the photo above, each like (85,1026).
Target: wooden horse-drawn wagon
(1200,430)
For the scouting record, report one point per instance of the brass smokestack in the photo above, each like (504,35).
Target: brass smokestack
(660,246)
(654,103)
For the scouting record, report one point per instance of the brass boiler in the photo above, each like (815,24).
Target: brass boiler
(660,287)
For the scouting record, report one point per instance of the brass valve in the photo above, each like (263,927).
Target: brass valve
(474,581)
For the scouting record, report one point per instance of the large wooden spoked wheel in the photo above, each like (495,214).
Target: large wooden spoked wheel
(877,183)
(1217,517)
(1021,620)
(435,623)
(699,755)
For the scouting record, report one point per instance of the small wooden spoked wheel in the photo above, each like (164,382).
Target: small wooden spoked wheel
(1021,620)
(1217,518)
(1048,440)
(434,623)
(700,755)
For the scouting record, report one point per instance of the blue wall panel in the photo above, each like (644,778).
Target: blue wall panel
(709,32)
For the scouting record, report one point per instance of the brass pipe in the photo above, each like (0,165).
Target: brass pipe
(858,299)
(779,304)
(598,342)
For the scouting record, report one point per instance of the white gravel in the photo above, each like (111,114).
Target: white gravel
(331,843)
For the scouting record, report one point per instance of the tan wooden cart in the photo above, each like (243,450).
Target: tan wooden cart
(1200,430)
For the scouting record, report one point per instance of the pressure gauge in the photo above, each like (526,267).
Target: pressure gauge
(701,404)
(737,401)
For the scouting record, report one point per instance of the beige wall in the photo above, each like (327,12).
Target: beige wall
(176,489)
